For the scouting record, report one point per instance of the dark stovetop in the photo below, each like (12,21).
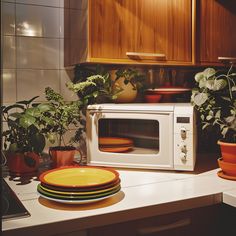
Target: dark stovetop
(11,206)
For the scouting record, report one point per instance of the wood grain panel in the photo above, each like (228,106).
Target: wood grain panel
(217,29)
(149,26)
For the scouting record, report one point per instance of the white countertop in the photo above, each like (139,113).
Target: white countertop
(143,194)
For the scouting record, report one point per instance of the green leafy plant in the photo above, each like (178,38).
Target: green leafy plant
(24,127)
(60,117)
(132,76)
(95,89)
(215,99)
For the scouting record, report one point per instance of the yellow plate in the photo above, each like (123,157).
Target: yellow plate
(75,177)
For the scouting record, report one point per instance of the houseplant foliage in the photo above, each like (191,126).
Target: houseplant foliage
(23,135)
(132,76)
(215,99)
(59,118)
(131,82)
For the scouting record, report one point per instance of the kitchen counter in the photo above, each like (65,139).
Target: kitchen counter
(143,194)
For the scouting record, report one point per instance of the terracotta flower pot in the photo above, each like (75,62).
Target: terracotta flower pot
(227,167)
(62,156)
(23,163)
(228,151)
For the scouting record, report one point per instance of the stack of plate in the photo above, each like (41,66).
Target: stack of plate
(115,144)
(79,184)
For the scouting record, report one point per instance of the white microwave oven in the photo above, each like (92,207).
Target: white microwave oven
(145,135)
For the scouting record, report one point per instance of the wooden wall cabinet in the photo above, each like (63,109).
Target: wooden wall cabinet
(129,32)
(173,32)
(216,23)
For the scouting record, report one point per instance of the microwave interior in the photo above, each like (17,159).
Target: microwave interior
(139,136)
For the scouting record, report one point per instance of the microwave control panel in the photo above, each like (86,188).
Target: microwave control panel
(184,138)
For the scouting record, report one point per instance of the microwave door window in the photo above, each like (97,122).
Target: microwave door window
(132,136)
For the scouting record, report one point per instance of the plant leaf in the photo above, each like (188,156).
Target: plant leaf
(27,121)
(200,98)
(209,72)
(199,76)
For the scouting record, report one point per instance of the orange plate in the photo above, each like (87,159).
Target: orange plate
(115,141)
(115,149)
(168,90)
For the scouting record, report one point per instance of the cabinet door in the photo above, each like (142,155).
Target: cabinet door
(217,30)
(146,27)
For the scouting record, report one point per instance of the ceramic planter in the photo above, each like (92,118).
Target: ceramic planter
(62,156)
(128,94)
(23,163)
(228,151)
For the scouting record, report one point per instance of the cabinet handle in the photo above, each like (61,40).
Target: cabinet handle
(227,59)
(139,55)
(161,228)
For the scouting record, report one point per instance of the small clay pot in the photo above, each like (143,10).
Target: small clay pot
(228,151)
(62,156)
(227,168)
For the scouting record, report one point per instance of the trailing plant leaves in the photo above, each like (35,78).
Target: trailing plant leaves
(200,99)
(34,111)
(209,72)
(13,147)
(38,142)
(27,102)
(44,107)
(233,88)
(6,109)
(199,76)
(27,120)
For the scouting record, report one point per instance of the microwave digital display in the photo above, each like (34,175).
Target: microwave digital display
(139,136)
(184,120)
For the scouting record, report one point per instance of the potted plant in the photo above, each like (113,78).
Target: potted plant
(23,139)
(61,118)
(130,81)
(215,99)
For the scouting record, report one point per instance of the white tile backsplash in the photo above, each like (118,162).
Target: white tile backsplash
(37,21)
(37,53)
(52,3)
(33,55)
(32,83)
(66,76)
(9,52)
(9,85)
(8,18)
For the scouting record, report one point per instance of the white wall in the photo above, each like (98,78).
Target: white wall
(33,49)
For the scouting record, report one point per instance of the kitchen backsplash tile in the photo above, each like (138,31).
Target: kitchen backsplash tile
(37,53)
(8,1)
(37,21)
(9,85)
(35,81)
(61,21)
(52,3)
(9,52)
(66,76)
(8,18)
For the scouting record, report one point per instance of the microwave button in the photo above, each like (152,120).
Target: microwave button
(183,148)
(183,157)
(183,133)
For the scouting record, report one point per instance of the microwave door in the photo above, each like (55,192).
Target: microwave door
(141,140)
